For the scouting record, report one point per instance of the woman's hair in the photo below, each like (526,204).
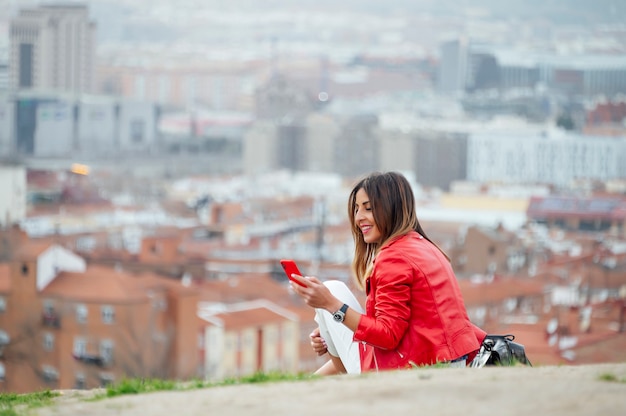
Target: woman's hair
(393,207)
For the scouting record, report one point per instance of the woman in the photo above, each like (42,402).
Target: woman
(414,313)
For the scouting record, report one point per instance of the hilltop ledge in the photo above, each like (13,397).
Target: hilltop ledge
(557,391)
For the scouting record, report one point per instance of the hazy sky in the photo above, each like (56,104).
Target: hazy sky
(227,22)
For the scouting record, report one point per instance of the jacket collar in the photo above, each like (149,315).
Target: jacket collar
(410,234)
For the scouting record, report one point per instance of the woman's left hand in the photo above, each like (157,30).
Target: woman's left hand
(315,294)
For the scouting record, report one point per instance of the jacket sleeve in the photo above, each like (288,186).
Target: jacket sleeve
(392,279)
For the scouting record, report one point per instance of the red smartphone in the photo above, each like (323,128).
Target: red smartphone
(290,268)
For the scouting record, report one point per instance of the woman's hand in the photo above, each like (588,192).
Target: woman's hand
(318,343)
(315,293)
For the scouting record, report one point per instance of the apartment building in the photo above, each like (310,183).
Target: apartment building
(51,124)
(68,325)
(53,47)
(488,251)
(558,160)
(249,337)
(298,145)
(12,194)
(454,66)
(474,66)
(587,214)
(348,146)
(567,307)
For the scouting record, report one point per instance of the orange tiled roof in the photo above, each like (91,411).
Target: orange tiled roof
(152,281)
(97,284)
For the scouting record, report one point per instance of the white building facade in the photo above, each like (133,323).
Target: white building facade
(12,194)
(7,124)
(493,157)
(67,125)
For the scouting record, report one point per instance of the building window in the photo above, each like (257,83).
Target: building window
(155,248)
(48,341)
(80,383)
(5,339)
(3,304)
(81,313)
(49,373)
(50,318)
(26,63)
(48,307)
(24,269)
(106,379)
(2,372)
(80,347)
(108,314)
(159,304)
(106,351)
(137,131)
(85,244)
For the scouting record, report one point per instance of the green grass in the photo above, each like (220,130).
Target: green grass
(137,386)
(12,404)
(10,401)
(611,378)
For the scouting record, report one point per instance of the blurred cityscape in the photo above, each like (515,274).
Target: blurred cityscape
(157,160)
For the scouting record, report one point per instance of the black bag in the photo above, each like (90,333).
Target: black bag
(500,350)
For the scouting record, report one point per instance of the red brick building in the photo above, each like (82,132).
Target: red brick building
(70,325)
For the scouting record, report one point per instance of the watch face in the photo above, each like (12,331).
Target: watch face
(338,316)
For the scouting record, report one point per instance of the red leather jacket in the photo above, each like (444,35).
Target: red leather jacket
(414,313)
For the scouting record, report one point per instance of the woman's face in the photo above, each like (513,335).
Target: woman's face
(364,218)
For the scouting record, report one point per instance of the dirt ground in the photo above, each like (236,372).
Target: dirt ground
(529,391)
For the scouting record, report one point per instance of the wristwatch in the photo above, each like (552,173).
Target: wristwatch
(340,315)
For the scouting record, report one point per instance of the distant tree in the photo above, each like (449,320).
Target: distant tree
(565,121)
(22,356)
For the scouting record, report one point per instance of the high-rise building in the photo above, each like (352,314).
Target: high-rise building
(53,47)
(453,68)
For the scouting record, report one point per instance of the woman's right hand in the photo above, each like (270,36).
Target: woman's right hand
(317,342)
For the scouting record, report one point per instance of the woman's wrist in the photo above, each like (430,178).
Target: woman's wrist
(335,306)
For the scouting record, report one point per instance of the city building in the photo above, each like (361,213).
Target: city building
(431,149)
(7,126)
(314,143)
(66,324)
(585,75)
(4,76)
(488,251)
(521,158)
(453,66)
(189,84)
(53,47)
(356,149)
(587,214)
(572,75)
(63,125)
(12,194)
(249,337)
